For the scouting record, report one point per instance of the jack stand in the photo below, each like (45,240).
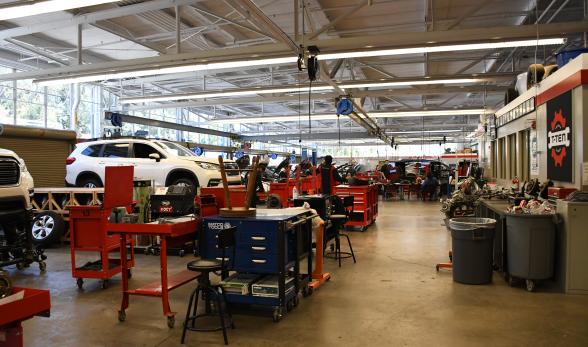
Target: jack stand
(319,277)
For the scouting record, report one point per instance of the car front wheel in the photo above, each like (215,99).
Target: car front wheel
(184,181)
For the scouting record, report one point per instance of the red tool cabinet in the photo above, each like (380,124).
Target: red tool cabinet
(237,192)
(365,204)
(88,232)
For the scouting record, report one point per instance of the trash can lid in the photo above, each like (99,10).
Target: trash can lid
(471,223)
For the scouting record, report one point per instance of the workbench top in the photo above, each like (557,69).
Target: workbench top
(270,214)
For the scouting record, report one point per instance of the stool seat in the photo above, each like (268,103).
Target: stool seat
(205,265)
(337,217)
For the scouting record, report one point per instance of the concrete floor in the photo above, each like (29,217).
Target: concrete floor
(391,297)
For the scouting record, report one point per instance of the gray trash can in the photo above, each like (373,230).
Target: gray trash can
(472,241)
(530,247)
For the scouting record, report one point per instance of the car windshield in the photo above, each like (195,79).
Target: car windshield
(175,149)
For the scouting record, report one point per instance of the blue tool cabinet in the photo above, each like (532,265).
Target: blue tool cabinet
(272,243)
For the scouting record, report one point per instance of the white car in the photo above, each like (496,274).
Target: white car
(164,162)
(16,183)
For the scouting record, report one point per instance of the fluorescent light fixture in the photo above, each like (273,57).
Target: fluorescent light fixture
(446,48)
(168,70)
(35,8)
(221,93)
(293,59)
(296,89)
(295,118)
(426,131)
(411,83)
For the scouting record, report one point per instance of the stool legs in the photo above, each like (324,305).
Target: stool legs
(350,248)
(209,293)
(222,318)
(195,294)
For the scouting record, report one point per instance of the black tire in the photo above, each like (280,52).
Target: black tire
(185,181)
(89,182)
(47,228)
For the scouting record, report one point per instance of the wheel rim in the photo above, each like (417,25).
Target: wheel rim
(90,185)
(43,227)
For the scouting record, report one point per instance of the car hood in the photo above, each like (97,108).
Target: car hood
(7,153)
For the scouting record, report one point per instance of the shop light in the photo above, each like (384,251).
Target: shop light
(41,7)
(426,131)
(287,60)
(221,93)
(296,89)
(167,70)
(317,117)
(445,48)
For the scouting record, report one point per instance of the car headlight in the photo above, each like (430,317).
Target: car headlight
(23,167)
(208,166)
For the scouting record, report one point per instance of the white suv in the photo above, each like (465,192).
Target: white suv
(164,162)
(16,183)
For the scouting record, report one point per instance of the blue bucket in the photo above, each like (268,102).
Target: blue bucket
(565,56)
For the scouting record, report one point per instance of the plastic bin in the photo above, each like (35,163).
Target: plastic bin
(530,247)
(472,242)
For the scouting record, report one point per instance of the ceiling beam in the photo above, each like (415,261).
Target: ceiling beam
(399,40)
(326,96)
(91,18)
(334,22)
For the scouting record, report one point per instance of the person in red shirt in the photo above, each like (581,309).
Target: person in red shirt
(329,175)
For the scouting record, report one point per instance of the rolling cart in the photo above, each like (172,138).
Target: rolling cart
(88,230)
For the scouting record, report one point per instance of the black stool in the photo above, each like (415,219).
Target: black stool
(342,208)
(226,239)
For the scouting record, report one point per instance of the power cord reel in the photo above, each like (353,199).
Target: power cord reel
(312,63)
(344,106)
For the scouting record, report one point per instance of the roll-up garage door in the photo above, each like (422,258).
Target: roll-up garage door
(44,152)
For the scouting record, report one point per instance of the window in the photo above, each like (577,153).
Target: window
(502,157)
(512,156)
(116,150)
(175,149)
(493,162)
(142,150)
(92,151)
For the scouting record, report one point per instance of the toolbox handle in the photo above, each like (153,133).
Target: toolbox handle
(258,248)
(258,238)
(259,261)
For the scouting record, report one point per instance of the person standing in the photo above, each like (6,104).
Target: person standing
(329,175)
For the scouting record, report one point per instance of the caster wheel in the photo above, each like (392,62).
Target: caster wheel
(104,284)
(289,306)
(437,268)
(182,253)
(171,321)
(129,273)
(277,314)
(80,283)
(530,284)
(42,266)
(295,301)
(146,251)
(122,316)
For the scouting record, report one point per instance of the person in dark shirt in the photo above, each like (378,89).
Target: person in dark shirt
(430,186)
(329,175)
